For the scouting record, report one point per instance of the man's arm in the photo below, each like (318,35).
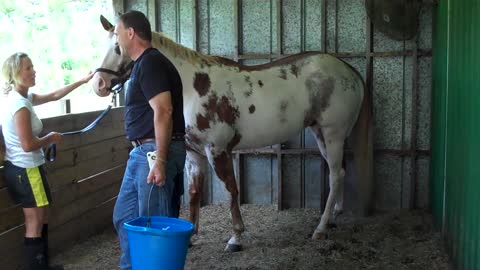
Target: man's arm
(162,121)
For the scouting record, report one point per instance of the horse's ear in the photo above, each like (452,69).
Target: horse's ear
(106,24)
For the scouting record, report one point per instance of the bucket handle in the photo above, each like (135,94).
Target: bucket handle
(151,157)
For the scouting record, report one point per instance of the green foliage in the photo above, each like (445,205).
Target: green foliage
(63,38)
(68,65)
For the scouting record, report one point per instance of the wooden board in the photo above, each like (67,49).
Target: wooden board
(84,180)
(71,199)
(82,227)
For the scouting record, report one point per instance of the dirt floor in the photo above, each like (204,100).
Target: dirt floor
(282,240)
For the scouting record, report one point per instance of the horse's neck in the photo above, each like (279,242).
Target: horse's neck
(183,58)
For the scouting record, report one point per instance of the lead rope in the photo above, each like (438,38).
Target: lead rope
(51,153)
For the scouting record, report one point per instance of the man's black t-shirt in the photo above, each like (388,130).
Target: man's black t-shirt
(151,75)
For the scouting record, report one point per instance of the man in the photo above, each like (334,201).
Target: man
(153,121)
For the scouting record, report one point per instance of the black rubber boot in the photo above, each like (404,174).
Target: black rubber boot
(34,254)
(45,246)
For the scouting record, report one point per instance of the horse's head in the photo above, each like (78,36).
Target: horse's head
(115,67)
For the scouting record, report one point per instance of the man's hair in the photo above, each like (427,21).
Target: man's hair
(139,22)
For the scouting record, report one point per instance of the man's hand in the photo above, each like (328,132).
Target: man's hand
(157,173)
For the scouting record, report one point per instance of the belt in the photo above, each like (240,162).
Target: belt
(178,137)
(175,137)
(139,142)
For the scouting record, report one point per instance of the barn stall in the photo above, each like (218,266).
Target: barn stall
(292,176)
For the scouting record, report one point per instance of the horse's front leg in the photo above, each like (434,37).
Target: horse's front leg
(195,167)
(222,163)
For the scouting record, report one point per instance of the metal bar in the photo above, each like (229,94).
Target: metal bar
(313,151)
(118,6)
(178,31)
(236,28)
(336,26)
(208,27)
(279,29)
(67,106)
(238,165)
(271,31)
(120,100)
(324,185)
(420,53)
(159,14)
(323,163)
(152,13)
(402,140)
(324,26)
(195,24)
(302,25)
(413,147)
(369,57)
(278,149)
(302,138)
(239,158)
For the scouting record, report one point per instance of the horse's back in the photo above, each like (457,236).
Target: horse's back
(284,99)
(265,105)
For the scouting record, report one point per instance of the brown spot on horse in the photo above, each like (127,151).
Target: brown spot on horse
(320,89)
(202,122)
(222,108)
(233,142)
(251,109)
(294,70)
(283,111)
(201,83)
(283,74)
(226,112)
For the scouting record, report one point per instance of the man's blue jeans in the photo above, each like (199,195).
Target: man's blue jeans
(132,200)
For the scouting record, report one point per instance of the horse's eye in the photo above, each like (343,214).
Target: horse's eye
(117,49)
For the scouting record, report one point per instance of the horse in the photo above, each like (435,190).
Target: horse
(229,106)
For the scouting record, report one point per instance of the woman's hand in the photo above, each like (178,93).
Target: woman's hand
(87,78)
(54,137)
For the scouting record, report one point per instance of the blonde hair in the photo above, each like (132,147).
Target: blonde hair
(11,70)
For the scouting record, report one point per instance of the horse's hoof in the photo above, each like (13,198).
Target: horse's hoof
(319,236)
(233,248)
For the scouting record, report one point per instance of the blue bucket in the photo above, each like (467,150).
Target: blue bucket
(163,245)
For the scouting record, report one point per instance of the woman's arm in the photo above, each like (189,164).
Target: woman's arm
(58,94)
(24,130)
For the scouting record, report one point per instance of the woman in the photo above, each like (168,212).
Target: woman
(24,172)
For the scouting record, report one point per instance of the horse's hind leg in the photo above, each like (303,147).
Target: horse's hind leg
(195,167)
(317,131)
(331,146)
(222,162)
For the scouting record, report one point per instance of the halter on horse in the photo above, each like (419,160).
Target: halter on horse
(228,106)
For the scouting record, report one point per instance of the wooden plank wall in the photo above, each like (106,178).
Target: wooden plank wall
(84,180)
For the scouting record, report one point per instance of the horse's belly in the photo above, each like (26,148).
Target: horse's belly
(262,131)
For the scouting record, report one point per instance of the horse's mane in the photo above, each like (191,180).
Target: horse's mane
(161,40)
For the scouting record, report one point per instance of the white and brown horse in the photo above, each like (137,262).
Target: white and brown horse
(228,106)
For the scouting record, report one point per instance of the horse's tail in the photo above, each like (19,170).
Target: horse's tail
(362,140)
